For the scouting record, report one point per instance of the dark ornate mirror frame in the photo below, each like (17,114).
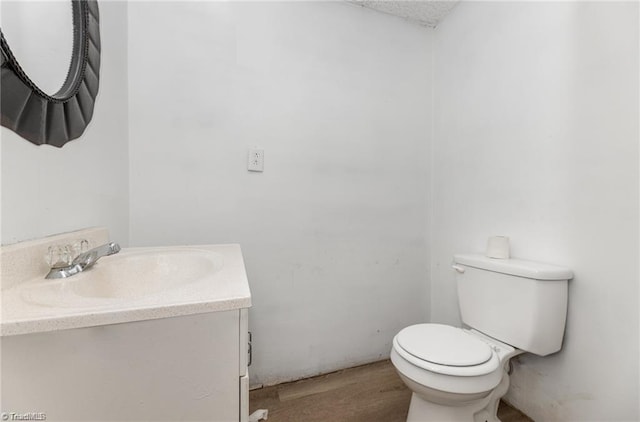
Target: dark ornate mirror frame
(59,118)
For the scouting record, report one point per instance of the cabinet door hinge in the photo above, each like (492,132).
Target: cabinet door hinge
(250,351)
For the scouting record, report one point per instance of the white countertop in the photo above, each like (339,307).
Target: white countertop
(225,289)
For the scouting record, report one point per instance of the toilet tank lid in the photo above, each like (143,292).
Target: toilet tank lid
(517,267)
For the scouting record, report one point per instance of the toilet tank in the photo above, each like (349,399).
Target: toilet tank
(521,303)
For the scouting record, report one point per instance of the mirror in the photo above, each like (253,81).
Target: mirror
(41,37)
(50,75)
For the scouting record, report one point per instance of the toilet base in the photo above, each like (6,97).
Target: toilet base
(422,410)
(482,409)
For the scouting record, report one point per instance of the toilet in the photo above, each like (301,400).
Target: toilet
(508,307)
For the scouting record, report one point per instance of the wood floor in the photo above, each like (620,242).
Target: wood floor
(369,393)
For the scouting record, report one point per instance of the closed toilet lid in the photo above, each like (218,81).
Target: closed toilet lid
(444,345)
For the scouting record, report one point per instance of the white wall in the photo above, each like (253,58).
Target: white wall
(334,232)
(536,138)
(46,190)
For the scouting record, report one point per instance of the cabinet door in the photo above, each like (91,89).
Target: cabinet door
(244,362)
(244,341)
(181,368)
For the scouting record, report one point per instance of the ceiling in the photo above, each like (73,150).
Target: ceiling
(426,12)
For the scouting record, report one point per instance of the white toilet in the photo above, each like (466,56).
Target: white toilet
(511,307)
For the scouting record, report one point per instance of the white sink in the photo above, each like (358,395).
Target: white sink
(126,276)
(136,284)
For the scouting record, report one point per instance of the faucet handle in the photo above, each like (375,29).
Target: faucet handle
(79,247)
(59,256)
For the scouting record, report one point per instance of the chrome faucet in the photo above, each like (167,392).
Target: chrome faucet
(84,261)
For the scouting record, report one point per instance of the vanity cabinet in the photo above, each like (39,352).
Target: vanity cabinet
(191,367)
(153,333)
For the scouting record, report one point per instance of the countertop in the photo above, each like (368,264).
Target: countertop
(223,290)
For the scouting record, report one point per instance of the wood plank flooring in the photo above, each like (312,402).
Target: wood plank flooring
(369,393)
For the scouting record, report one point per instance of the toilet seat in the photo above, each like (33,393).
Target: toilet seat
(446,350)
(444,345)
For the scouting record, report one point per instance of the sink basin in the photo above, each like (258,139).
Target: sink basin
(129,275)
(136,284)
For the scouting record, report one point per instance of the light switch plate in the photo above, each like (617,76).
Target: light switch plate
(256,159)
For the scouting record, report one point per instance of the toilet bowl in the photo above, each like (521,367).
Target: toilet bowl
(511,306)
(455,374)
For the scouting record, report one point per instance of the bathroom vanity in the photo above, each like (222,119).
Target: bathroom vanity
(148,334)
